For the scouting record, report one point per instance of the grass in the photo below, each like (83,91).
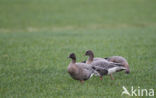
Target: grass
(36,37)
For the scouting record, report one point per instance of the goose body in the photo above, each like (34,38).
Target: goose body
(98,58)
(106,68)
(79,71)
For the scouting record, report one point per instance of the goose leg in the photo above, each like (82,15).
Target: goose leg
(112,78)
(101,78)
(82,81)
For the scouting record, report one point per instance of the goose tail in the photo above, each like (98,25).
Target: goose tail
(116,69)
(121,68)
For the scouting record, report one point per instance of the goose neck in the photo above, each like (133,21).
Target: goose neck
(91,58)
(73,60)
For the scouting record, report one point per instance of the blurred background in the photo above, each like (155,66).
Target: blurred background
(36,36)
(47,15)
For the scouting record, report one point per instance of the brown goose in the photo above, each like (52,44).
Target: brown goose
(79,71)
(101,65)
(115,59)
(120,59)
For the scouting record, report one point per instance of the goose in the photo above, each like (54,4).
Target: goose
(120,59)
(102,63)
(79,71)
(115,59)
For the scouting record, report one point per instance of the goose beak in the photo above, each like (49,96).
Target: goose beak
(127,70)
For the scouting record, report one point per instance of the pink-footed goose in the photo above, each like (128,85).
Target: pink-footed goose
(102,66)
(115,59)
(79,71)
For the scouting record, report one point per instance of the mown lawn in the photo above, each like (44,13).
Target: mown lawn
(36,36)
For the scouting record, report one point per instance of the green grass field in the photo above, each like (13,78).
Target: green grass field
(36,36)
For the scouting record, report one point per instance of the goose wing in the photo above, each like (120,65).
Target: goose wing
(84,66)
(87,68)
(102,63)
(98,58)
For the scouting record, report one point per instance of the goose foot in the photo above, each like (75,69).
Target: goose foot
(112,78)
(82,81)
(101,78)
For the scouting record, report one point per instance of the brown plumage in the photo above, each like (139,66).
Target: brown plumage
(101,65)
(115,59)
(79,71)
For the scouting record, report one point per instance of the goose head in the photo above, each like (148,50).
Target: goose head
(127,70)
(89,53)
(72,56)
(91,56)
